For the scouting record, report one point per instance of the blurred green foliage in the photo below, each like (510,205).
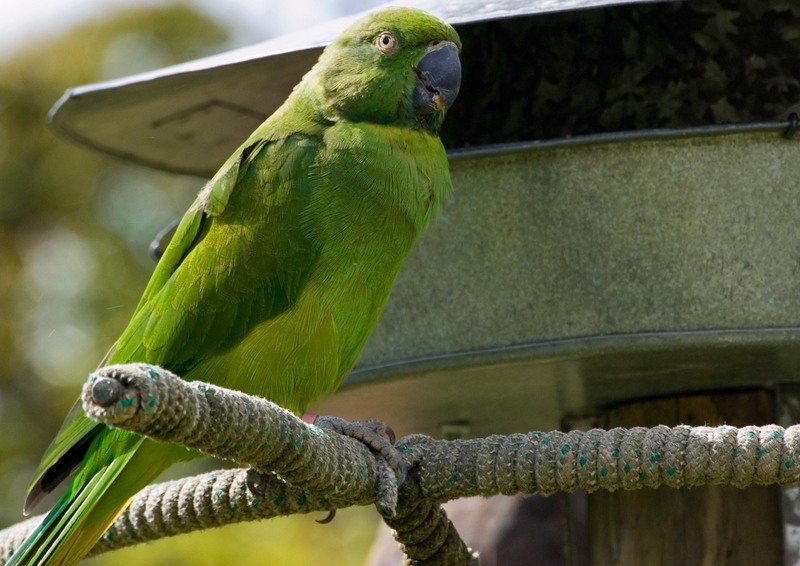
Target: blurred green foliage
(74,231)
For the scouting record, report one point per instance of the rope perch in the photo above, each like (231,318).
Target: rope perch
(228,424)
(320,470)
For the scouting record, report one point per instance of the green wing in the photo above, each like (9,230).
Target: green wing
(238,257)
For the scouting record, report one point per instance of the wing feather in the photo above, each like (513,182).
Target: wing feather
(238,257)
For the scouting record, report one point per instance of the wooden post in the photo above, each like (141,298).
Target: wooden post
(711,525)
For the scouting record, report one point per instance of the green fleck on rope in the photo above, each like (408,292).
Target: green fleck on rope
(153,373)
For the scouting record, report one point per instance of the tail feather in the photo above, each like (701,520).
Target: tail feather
(77,521)
(113,471)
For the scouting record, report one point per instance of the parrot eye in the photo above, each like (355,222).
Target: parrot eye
(386,42)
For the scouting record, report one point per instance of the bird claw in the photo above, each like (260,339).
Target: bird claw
(255,482)
(375,434)
(331,515)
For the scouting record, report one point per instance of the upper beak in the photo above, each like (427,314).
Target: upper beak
(438,78)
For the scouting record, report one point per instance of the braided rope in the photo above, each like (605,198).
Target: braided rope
(319,470)
(248,430)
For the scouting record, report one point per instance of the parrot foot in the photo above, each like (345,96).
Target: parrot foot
(377,435)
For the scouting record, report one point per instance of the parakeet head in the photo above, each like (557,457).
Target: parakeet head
(397,66)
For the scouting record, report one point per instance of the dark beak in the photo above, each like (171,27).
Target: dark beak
(438,78)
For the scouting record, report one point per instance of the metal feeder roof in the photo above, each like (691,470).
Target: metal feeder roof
(188,118)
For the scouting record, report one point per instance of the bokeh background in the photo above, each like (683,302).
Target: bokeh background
(74,232)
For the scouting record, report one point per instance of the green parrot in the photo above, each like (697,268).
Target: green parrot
(279,270)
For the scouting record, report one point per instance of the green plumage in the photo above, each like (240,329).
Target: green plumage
(280,269)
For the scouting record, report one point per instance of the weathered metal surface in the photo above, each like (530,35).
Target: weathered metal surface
(569,276)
